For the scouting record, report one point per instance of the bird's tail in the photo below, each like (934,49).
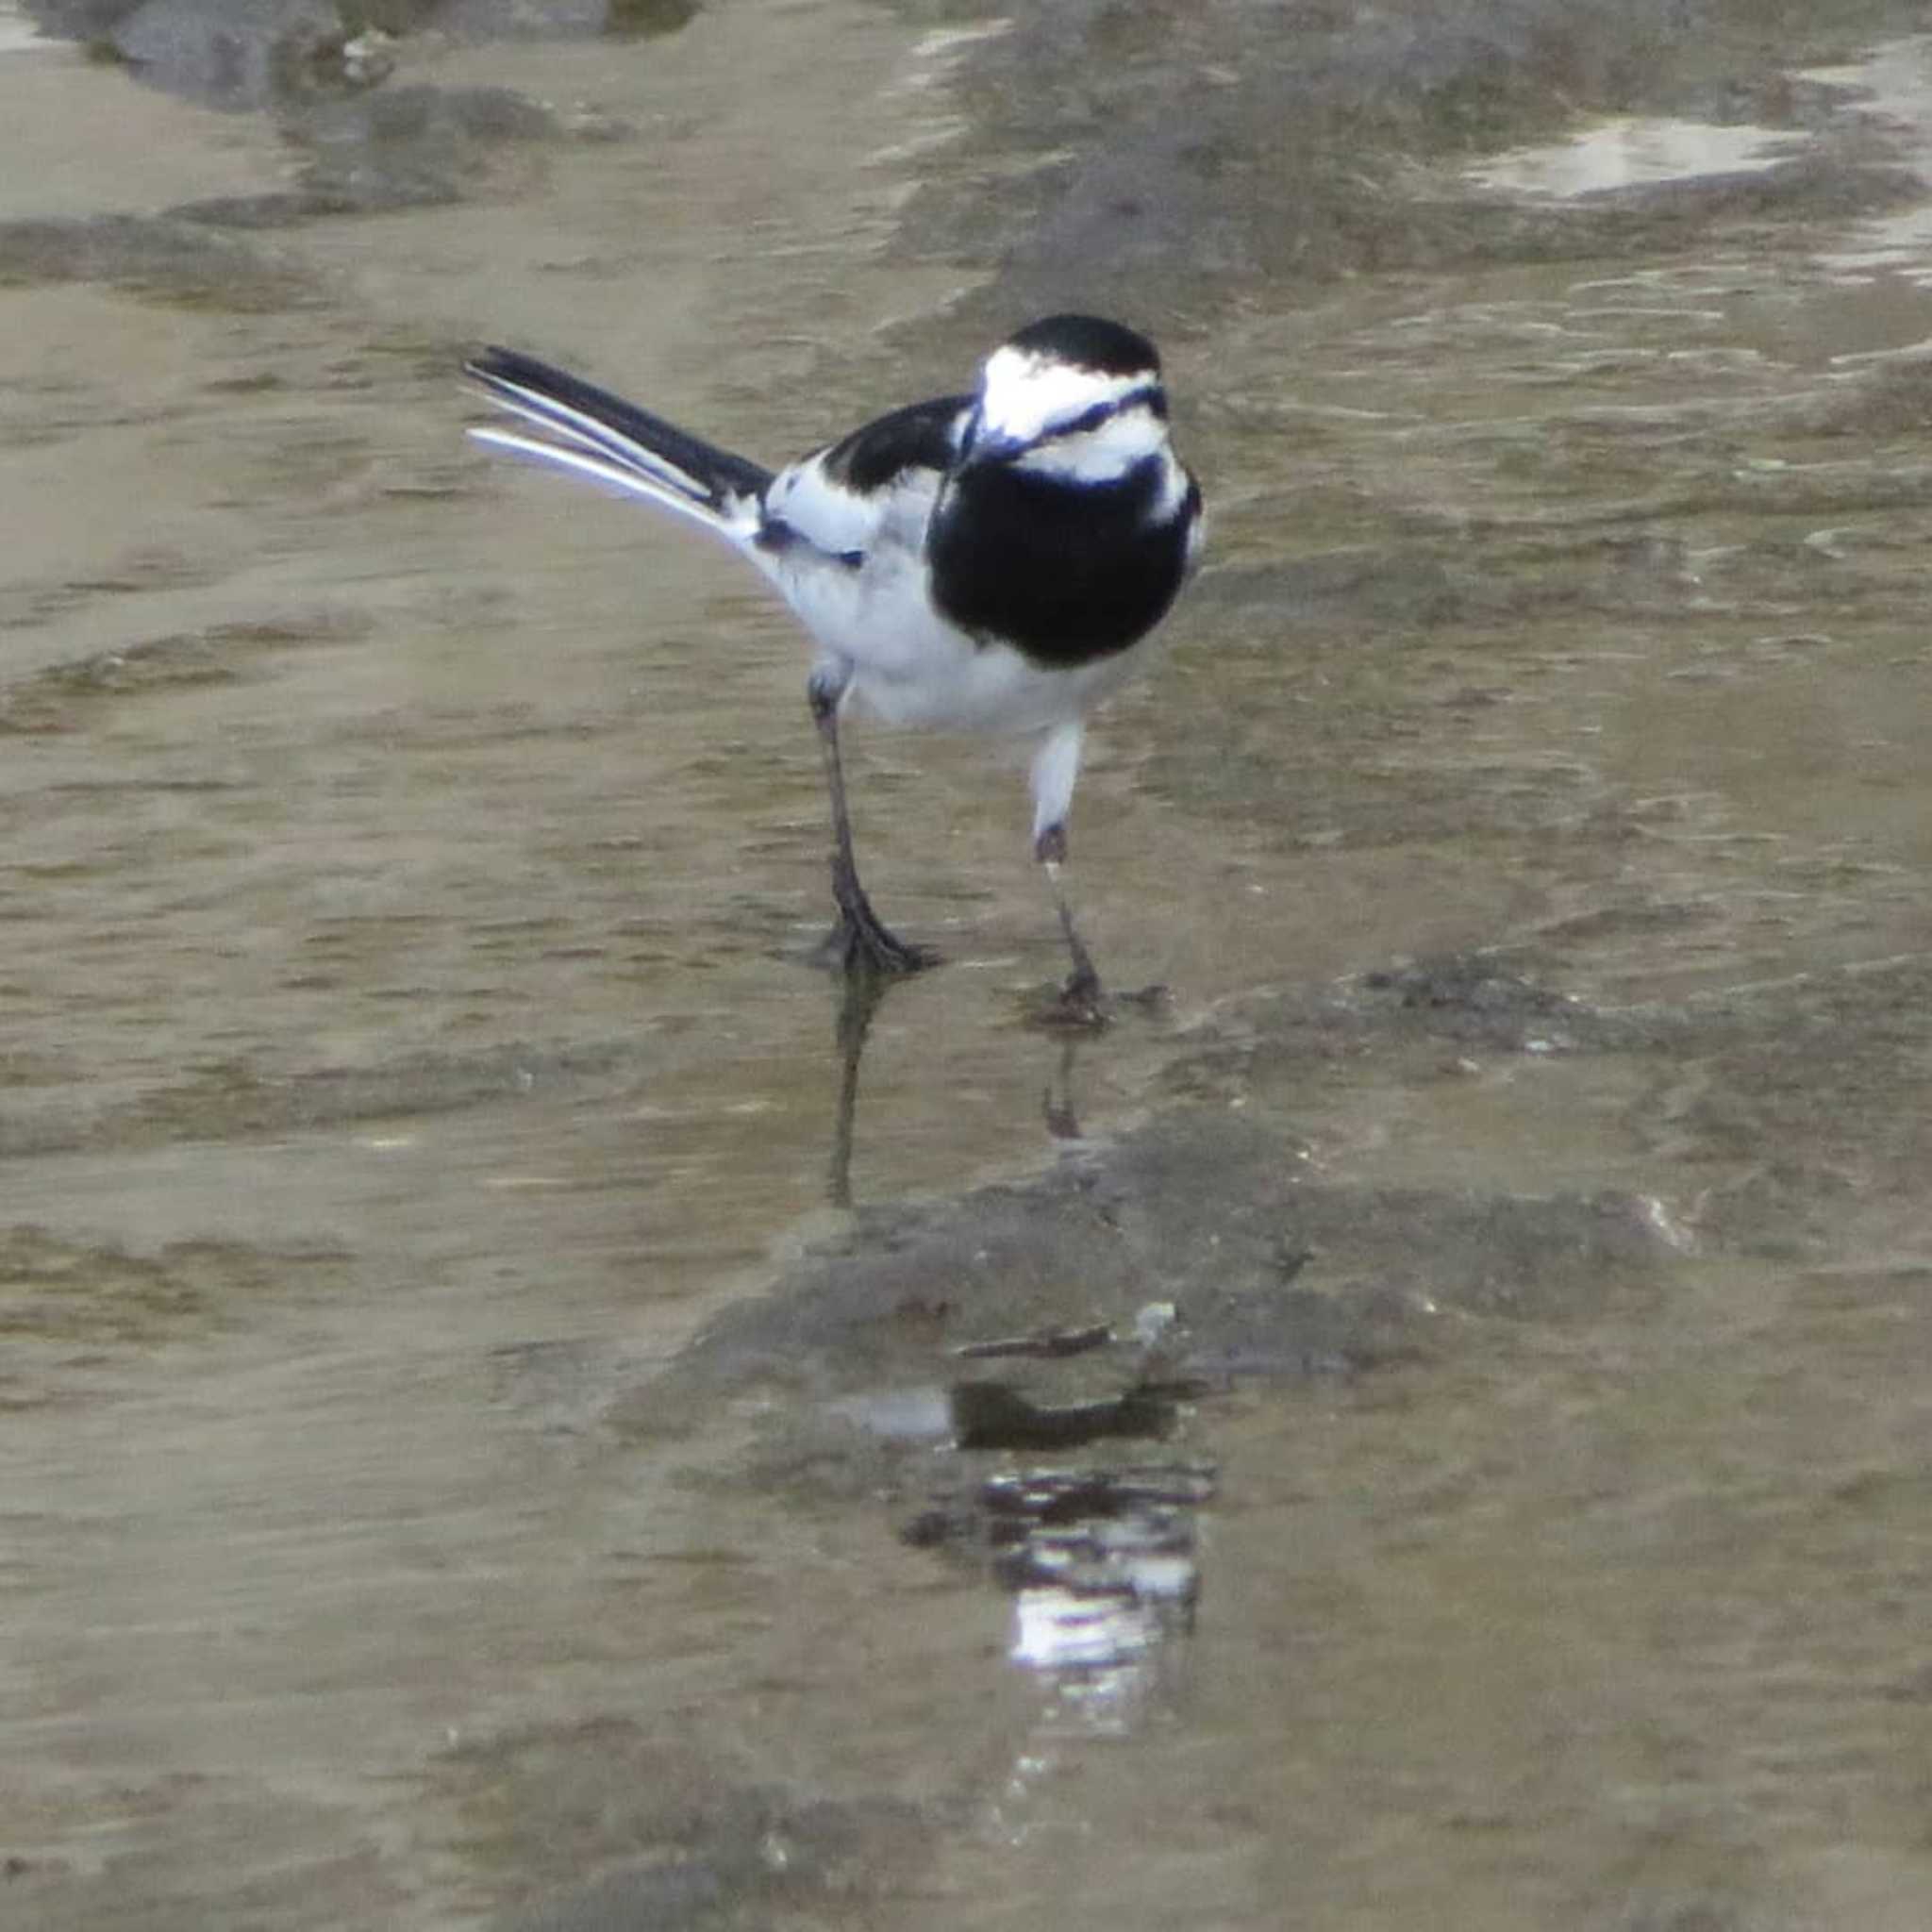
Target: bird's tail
(595,434)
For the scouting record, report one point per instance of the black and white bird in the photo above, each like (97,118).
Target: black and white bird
(996,561)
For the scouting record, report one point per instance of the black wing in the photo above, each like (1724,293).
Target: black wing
(838,498)
(922,436)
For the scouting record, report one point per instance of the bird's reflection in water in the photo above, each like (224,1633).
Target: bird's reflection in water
(860,996)
(1057,1103)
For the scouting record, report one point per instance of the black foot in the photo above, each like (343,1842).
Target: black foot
(861,945)
(1082,1006)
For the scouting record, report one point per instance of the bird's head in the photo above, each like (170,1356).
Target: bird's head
(1074,397)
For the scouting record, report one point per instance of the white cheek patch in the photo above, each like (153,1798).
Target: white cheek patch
(1020,395)
(1102,454)
(1197,537)
(1174,485)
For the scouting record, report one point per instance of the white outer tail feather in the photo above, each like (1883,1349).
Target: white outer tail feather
(635,477)
(586,445)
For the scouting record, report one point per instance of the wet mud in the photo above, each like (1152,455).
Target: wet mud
(524,1409)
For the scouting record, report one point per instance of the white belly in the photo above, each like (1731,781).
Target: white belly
(990,687)
(909,666)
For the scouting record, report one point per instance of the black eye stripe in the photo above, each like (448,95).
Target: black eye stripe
(971,433)
(1150,397)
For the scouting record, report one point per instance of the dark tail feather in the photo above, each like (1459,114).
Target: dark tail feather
(586,419)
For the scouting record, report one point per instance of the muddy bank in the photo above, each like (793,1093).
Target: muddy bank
(851,1382)
(1196,151)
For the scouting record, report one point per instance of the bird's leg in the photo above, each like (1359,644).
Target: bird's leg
(860,943)
(1079,998)
(1055,766)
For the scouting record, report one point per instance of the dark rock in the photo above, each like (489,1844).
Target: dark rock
(235,54)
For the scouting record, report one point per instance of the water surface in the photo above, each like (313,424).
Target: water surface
(409,1054)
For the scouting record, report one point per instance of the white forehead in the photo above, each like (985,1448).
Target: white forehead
(1021,393)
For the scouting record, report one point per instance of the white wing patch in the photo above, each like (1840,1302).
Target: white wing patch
(829,516)
(851,525)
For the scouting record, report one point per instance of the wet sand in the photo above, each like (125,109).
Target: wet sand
(457,1459)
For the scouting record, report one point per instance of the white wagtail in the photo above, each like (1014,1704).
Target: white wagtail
(996,561)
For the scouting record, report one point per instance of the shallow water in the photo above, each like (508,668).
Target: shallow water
(407,1049)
